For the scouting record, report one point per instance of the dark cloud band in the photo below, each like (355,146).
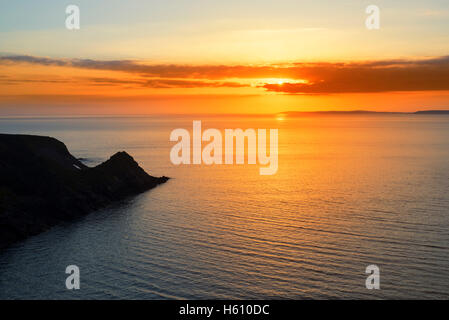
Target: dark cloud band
(321,78)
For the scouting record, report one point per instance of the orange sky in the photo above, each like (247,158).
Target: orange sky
(196,56)
(77,86)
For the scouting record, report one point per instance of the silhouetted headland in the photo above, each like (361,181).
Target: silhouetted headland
(436,112)
(294,114)
(42,184)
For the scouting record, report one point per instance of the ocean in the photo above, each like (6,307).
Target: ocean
(350,191)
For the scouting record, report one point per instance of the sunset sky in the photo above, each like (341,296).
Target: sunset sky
(230,56)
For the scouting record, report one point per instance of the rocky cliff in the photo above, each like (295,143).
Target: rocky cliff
(42,184)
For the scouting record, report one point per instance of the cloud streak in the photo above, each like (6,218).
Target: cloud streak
(320,77)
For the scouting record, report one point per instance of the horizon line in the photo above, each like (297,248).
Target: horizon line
(255,115)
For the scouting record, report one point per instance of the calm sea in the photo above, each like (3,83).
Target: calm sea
(349,192)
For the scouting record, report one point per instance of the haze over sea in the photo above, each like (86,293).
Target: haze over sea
(350,191)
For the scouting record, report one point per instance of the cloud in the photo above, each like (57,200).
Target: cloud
(211,72)
(144,83)
(165,83)
(375,76)
(320,77)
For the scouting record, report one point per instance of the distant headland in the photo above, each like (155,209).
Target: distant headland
(294,114)
(42,184)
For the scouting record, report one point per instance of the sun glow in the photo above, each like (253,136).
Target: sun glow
(280,81)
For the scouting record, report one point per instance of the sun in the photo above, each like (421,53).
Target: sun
(282,81)
(280,116)
(257,82)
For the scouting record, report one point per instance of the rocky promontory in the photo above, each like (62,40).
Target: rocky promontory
(42,184)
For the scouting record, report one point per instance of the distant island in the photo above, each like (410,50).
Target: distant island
(432,112)
(42,184)
(294,114)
